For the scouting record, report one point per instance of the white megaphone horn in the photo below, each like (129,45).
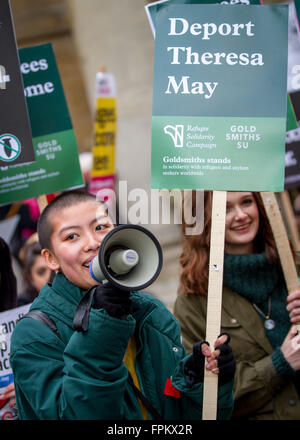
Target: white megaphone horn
(130,258)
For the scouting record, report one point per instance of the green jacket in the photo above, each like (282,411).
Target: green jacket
(259,392)
(83,376)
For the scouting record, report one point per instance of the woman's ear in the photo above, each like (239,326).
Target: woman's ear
(50,259)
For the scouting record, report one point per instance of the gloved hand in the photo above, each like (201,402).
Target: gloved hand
(115,301)
(225,361)
(194,366)
(220,361)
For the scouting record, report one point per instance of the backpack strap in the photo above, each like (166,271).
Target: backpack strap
(43,318)
(140,395)
(82,313)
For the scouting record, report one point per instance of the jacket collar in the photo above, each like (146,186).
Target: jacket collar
(60,298)
(68,290)
(239,310)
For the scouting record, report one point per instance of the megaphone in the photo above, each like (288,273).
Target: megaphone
(130,258)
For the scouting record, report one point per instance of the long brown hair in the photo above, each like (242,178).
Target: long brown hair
(194,258)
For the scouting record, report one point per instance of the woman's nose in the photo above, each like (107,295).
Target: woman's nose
(239,213)
(91,242)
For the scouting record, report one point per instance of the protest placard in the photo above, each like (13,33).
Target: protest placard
(151,10)
(151,7)
(215,114)
(15,134)
(8,322)
(8,227)
(293,50)
(296,5)
(292,154)
(208,130)
(103,166)
(291,121)
(57,163)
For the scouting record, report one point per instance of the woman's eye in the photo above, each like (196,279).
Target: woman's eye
(247,202)
(100,227)
(72,236)
(41,271)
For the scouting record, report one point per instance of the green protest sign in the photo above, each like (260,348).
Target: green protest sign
(291,120)
(297,9)
(57,163)
(152,8)
(219,97)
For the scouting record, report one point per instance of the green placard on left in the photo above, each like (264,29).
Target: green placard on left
(57,164)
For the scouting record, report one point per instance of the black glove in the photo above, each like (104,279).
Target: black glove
(194,366)
(115,301)
(226,361)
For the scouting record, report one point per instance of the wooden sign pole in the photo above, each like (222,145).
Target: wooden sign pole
(214,298)
(43,202)
(215,281)
(282,242)
(290,218)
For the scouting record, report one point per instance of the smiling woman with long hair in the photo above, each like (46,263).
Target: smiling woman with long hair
(255,308)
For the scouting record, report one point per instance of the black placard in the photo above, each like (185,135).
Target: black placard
(16,145)
(292,149)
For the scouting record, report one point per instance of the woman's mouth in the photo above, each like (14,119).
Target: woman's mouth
(87,263)
(241,228)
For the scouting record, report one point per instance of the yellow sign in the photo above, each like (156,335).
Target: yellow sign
(105,137)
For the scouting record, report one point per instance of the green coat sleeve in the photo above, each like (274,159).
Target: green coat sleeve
(78,381)
(192,398)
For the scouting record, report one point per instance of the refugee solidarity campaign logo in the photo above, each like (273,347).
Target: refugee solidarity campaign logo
(176,132)
(10,147)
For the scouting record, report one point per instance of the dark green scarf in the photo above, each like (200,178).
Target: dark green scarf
(254,278)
